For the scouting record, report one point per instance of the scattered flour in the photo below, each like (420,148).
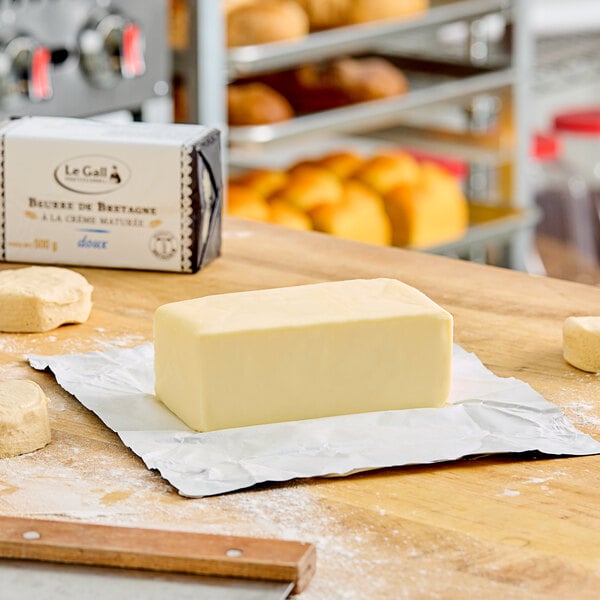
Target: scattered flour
(583,414)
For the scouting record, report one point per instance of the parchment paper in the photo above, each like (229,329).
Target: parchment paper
(486,414)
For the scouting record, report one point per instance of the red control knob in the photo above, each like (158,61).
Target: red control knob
(111,48)
(132,53)
(39,84)
(29,69)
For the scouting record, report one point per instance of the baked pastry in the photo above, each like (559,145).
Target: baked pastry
(265,21)
(342,163)
(246,203)
(310,186)
(343,81)
(265,182)
(256,104)
(364,79)
(282,213)
(384,172)
(362,11)
(230,5)
(360,216)
(429,211)
(325,14)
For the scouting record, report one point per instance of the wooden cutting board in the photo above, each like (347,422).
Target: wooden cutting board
(498,527)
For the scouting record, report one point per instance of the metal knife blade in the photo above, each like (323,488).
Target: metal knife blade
(27,580)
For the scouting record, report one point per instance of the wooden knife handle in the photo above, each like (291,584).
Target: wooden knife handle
(158,550)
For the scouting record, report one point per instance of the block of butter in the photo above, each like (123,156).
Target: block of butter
(125,195)
(301,352)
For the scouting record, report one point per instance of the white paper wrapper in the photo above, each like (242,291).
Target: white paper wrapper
(487,414)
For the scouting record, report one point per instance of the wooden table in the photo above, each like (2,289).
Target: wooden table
(498,527)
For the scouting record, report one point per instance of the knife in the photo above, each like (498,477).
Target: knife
(148,563)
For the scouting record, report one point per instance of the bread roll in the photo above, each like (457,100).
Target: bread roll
(325,14)
(265,21)
(367,79)
(265,182)
(428,212)
(282,213)
(384,172)
(256,104)
(326,85)
(343,163)
(246,203)
(362,11)
(309,186)
(230,5)
(360,216)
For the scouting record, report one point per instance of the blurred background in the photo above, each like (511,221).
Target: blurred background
(469,128)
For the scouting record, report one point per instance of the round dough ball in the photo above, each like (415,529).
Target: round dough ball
(581,343)
(37,299)
(24,424)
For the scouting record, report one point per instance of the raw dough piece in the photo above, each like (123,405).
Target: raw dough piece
(36,299)
(581,343)
(24,424)
(302,352)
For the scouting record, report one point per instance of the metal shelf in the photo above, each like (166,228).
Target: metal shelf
(250,60)
(425,89)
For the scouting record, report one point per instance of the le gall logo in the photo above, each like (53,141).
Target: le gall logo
(92,174)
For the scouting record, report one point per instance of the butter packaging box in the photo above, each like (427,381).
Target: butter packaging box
(127,195)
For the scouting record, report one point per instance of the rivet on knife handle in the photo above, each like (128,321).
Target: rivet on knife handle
(158,550)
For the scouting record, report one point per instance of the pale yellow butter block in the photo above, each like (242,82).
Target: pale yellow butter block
(581,343)
(301,352)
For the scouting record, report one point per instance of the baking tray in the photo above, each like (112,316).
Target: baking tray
(426,88)
(248,60)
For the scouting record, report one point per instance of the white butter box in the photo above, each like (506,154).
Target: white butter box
(90,193)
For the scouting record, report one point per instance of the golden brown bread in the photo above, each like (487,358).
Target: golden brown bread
(265,21)
(429,211)
(347,80)
(256,104)
(359,216)
(362,11)
(383,172)
(282,213)
(265,182)
(342,163)
(310,186)
(368,78)
(246,203)
(326,14)
(230,5)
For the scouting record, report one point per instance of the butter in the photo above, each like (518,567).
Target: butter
(310,351)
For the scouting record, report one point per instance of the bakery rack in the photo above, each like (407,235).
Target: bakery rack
(209,66)
(249,60)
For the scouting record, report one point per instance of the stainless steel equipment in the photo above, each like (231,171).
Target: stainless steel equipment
(82,57)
